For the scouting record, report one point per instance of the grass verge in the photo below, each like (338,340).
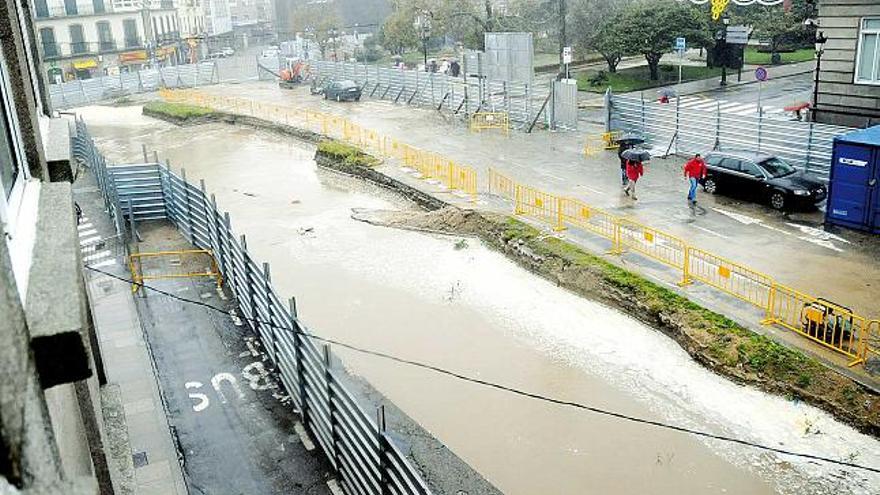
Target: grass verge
(177,110)
(639,78)
(350,155)
(753,57)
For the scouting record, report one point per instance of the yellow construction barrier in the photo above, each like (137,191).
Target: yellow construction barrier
(580,215)
(821,321)
(501,185)
(538,204)
(490,120)
(653,243)
(825,323)
(737,280)
(593,145)
(610,139)
(171,264)
(451,174)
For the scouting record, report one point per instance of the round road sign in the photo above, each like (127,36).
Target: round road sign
(761,74)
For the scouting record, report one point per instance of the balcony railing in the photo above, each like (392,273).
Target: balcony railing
(107,46)
(46,12)
(79,47)
(51,50)
(133,43)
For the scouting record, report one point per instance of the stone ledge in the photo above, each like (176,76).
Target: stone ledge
(56,307)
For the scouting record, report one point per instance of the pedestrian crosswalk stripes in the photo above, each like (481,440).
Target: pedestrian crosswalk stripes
(724,106)
(92,247)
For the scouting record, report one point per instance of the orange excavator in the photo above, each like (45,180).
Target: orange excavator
(292,75)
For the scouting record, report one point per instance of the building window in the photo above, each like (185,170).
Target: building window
(129,27)
(13,169)
(105,37)
(41,8)
(868,54)
(77,40)
(98,5)
(47,39)
(70,7)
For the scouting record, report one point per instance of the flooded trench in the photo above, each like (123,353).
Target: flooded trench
(467,308)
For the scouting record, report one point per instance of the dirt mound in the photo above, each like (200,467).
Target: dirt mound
(448,220)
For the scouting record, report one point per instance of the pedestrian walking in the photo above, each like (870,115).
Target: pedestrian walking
(634,171)
(694,172)
(621,147)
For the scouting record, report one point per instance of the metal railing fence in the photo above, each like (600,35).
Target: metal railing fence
(358,446)
(805,145)
(461,96)
(87,91)
(831,325)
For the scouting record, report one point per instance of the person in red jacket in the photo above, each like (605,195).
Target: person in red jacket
(694,172)
(634,170)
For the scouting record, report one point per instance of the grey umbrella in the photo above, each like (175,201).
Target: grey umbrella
(667,92)
(636,155)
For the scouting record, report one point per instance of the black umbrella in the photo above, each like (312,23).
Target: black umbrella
(630,139)
(636,155)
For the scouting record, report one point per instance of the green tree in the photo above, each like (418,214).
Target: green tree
(398,34)
(650,28)
(317,21)
(774,24)
(592,28)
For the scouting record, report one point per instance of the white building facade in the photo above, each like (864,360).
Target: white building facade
(80,39)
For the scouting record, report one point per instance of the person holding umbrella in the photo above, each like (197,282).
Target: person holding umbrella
(625,143)
(635,169)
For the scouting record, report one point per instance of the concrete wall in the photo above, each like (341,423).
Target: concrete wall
(50,432)
(840,100)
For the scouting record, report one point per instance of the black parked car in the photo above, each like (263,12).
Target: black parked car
(762,177)
(342,91)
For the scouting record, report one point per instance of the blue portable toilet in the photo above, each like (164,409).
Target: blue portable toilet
(853,189)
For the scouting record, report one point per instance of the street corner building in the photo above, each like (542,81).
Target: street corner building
(848,81)
(52,430)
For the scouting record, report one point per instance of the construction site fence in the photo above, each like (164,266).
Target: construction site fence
(669,126)
(828,324)
(363,454)
(490,120)
(457,95)
(453,175)
(694,264)
(88,91)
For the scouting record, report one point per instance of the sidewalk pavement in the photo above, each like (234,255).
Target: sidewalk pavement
(148,462)
(840,266)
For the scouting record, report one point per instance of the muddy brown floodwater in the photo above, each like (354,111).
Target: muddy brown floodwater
(464,307)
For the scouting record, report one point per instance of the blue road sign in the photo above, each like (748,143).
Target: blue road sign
(680,44)
(761,74)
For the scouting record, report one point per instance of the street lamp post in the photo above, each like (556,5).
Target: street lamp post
(820,49)
(422,24)
(725,21)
